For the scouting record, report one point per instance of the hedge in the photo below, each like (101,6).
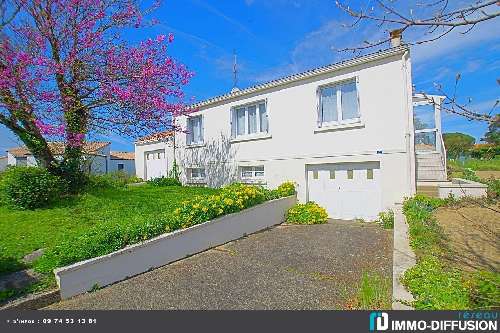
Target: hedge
(30,187)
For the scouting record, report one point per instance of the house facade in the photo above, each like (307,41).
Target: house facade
(3,163)
(344,133)
(98,157)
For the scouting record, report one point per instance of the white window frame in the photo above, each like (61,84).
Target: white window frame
(253,172)
(189,134)
(246,106)
(200,177)
(338,85)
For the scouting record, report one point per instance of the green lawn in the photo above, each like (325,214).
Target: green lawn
(22,232)
(476,164)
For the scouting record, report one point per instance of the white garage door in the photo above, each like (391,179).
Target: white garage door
(156,164)
(346,190)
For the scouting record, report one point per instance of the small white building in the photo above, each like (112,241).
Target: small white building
(98,157)
(344,133)
(3,163)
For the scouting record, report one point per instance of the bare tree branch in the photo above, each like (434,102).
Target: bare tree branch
(437,20)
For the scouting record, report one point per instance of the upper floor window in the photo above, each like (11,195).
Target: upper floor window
(195,130)
(249,119)
(338,103)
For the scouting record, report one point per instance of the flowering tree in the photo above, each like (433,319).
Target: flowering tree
(65,72)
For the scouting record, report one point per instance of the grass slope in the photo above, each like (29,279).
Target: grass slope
(22,232)
(475,164)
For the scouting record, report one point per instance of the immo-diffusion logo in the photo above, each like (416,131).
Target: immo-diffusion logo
(379,321)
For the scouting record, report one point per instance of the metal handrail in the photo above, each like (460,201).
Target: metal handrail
(443,151)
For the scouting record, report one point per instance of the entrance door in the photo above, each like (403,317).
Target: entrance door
(156,164)
(346,190)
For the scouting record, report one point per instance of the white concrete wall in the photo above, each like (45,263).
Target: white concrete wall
(3,163)
(11,159)
(460,188)
(385,133)
(128,166)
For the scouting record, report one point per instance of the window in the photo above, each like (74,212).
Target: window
(197,173)
(369,174)
(350,174)
(195,130)
(315,174)
(332,174)
(249,119)
(252,171)
(120,166)
(338,103)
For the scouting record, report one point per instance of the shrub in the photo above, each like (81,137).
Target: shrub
(308,213)
(30,187)
(470,174)
(484,290)
(493,187)
(99,182)
(286,189)
(100,240)
(231,199)
(386,219)
(424,231)
(164,181)
(436,288)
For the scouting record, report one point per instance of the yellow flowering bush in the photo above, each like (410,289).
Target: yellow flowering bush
(232,198)
(308,213)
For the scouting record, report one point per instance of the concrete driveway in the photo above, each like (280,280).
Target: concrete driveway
(287,267)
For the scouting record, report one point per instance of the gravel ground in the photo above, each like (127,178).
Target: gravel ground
(287,267)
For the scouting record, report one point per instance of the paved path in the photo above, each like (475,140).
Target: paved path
(287,267)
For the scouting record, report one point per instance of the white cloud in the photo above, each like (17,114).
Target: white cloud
(317,48)
(456,43)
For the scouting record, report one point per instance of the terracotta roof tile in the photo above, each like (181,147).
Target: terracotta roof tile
(155,137)
(122,155)
(57,148)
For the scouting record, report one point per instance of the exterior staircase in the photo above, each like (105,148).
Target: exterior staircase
(431,167)
(431,171)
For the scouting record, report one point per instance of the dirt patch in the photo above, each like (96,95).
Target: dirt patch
(472,235)
(488,174)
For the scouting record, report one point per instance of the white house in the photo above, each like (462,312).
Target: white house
(3,163)
(99,158)
(344,133)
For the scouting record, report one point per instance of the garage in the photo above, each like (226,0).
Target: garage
(346,190)
(156,164)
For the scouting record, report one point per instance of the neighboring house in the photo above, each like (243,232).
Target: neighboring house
(98,158)
(343,133)
(122,161)
(3,163)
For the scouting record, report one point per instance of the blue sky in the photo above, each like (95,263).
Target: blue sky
(280,37)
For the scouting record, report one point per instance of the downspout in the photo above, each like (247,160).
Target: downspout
(411,159)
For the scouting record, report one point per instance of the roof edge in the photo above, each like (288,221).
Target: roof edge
(303,75)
